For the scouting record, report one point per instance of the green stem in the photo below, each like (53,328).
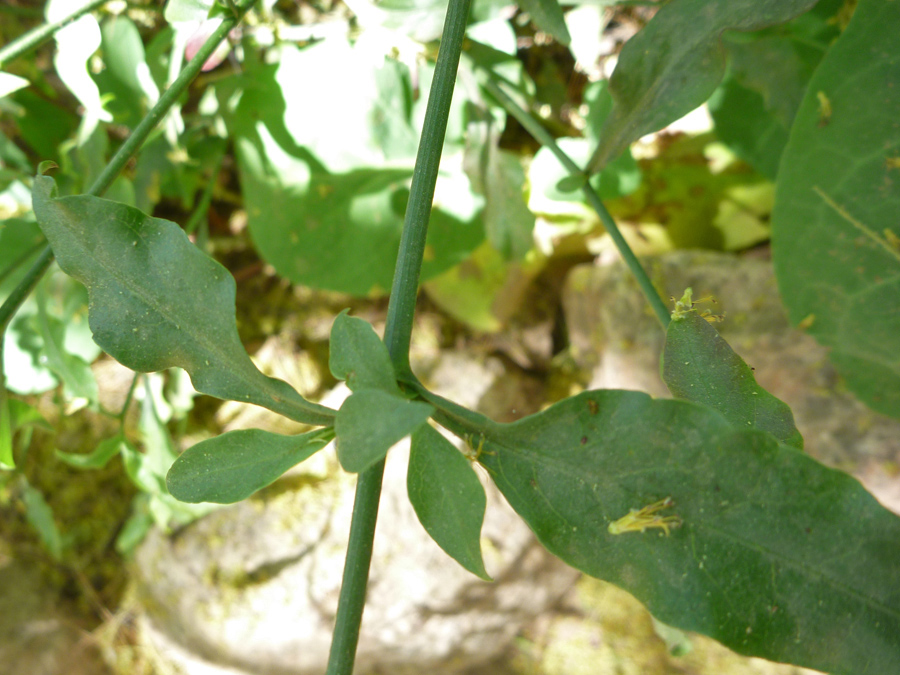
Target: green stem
(398,332)
(129,148)
(36,37)
(402,305)
(534,127)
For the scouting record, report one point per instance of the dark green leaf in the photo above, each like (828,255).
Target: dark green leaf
(548,16)
(231,467)
(156,301)
(776,556)
(370,422)
(835,231)
(359,356)
(675,63)
(699,366)
(98,458)
(448,497)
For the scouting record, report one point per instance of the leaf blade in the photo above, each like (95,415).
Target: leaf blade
(231,467)
(765,536)
(358,356)
(448,498)
(834,228)
(370,421)
(699,366)
(674,64)
(156,301)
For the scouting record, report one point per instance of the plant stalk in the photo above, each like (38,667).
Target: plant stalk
(398,331)
(129,148)
(535,128)
(36,37)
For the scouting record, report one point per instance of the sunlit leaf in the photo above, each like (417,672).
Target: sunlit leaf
(156,301)
(767,551)
(231,467)
(448,498)
(675,63)
(835,231)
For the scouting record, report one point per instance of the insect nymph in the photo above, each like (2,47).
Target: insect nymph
(638,520)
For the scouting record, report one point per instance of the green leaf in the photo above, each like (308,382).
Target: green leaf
(98,458)
(359,356)
(156,301)
(370,421)
(548,16)
(835,231)
(776,555)
(345,168)
(231,467)
(448,497)
(749,128)
(40,517)
(699,366)
(74,372)
(675,63)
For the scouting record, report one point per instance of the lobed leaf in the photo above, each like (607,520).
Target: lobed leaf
(699,366)
(448,497)
(231,467)
(156,301)
(776,555)
(835,232)
(370,421)
(675,63)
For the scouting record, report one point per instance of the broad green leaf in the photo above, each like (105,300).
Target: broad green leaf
(231,467)
(326,187)
(699,366)
(547,15)
(98,458)
(448,497)
(370,421)
(359,356)
(40,517)
(23,415)
(768,551)
(156,301)
(675,63)
(835,231)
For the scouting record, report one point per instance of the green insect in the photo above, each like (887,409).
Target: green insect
(638,520)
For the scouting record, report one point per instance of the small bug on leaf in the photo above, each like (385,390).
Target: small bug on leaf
(638,520)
